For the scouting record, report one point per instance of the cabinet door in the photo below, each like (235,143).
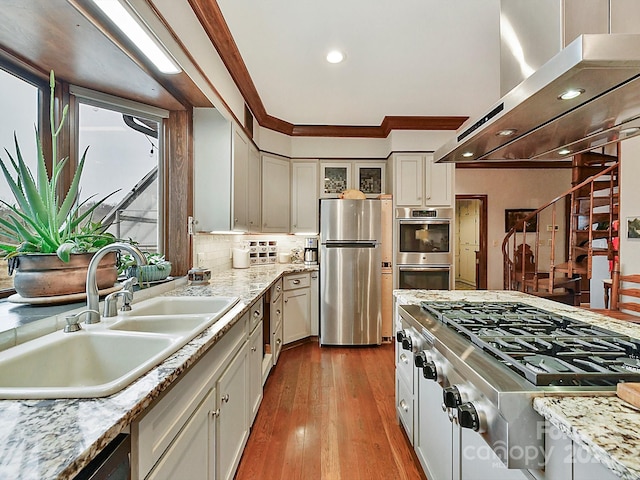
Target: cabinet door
(255,372)
(409,180)
(297,314)
(232,429)
(254,189)
(335,178)
(370,178)
(304,197)
(275,194)
(438,177)
(240,182)
(192,453)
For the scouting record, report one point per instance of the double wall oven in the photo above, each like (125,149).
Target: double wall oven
(423,248)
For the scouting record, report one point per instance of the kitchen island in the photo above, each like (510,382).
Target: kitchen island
(606,428)
(55,439)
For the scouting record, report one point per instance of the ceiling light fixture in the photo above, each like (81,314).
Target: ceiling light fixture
(629,131)
(564,151)
(467,154)
(507,132)
(133,28)
(571,93)
(335,56)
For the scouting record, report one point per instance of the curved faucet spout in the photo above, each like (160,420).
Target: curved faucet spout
(92,285)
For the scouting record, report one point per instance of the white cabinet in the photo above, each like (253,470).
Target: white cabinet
(256,349)
(232,429)
(189,456)
(297,307)
(276,316)
(419,181)
(240,175)
(255,198)
(304,196)
(221,174)
(368,176)
(275,194)
(315,304)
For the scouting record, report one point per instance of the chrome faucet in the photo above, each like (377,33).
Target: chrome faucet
(93,316)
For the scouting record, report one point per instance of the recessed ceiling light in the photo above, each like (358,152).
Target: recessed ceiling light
(629,131)
(571,93)
(507,132)
(564,151)
(335,56)
(467,154)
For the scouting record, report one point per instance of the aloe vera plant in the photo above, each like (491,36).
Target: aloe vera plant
(40,221)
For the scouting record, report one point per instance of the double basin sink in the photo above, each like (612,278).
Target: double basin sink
(103,358)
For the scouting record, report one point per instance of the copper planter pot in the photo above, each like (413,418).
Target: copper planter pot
(45,275)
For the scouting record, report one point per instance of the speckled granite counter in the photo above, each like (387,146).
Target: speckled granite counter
(55,439)
(606,426)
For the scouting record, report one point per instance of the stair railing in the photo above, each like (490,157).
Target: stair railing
(517,280)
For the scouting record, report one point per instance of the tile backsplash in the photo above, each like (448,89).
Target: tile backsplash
(213,251)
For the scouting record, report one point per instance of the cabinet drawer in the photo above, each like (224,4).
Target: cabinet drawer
(404,407)
(405,368)
(255,314)
(292,282)
(157,429)
(276,290)
(277,340)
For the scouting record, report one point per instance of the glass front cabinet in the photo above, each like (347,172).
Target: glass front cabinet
(336,177)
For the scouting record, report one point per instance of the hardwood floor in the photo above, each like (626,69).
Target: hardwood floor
(329,413)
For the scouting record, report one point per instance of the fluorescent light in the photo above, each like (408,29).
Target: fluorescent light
(142,39)
(335,56)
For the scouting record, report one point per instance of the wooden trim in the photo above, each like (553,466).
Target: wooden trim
(484,236)
(210,17)
(178,186)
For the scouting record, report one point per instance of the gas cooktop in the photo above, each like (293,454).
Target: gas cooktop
(543,347)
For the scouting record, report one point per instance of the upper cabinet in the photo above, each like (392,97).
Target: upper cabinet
(276,201)
(304,196)
(226,175)
(368,176)
(419,181)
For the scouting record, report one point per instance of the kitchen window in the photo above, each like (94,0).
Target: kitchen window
(124,143)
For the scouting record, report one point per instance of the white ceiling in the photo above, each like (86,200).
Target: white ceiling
(404,57)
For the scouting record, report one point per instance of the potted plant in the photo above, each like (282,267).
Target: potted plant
(156,269)
(47,239)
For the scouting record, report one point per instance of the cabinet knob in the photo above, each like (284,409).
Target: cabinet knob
(278,312)
(256,313)
(254,349)
(214,413)
(278,342)
(404,406)
(225,398)
(286,300)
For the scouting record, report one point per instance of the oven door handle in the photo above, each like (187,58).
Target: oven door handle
(424,268)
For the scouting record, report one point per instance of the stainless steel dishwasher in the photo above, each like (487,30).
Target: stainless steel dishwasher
(112,463)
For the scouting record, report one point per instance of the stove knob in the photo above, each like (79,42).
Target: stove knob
(470,417)
(430,371)
(421,358)
(400,336)
(407,343)
(451,397)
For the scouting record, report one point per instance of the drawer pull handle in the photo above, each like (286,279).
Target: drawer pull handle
(404,406)
(256,313)
(296,282)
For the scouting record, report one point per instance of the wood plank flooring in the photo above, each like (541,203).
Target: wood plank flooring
(329,413)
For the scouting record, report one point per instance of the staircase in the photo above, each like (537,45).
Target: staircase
(553,258)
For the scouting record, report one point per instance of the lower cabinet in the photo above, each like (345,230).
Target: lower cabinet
(198,429)
(189,454)
(233,427)
(297,307)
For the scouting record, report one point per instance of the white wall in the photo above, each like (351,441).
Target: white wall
(510,188)
(629,204)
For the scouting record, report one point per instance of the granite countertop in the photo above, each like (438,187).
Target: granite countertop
(55,439)
(606,426)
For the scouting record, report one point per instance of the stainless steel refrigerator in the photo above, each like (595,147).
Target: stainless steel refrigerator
(350,267)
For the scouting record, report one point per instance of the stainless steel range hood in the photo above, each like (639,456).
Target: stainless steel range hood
(605,67)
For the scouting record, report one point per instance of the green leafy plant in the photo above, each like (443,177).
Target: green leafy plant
(40,221)
(157,267)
